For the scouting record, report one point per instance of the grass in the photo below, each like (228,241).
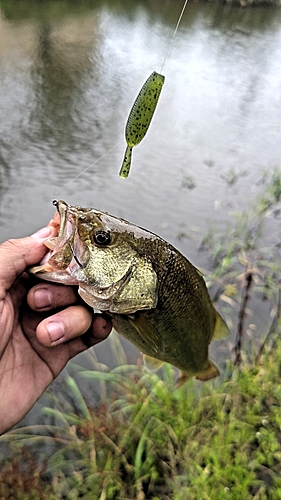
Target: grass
(146,440)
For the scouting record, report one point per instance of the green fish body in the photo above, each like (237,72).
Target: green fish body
(156,298)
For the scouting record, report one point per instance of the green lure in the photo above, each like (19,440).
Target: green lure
(140,117)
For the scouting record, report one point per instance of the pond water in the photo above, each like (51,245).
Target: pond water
(68,78)
(67,83)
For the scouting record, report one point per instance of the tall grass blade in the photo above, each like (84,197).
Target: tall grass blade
(118,352)
(77,397)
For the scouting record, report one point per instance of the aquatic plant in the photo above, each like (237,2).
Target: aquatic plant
(148,441)
(144,440)
(246,274)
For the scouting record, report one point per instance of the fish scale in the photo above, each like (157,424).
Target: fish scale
(183,295)
(156,298)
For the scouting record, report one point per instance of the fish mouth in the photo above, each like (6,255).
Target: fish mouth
(67,253)
(105,281)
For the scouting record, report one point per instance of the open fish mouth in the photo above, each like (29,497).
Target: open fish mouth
(67,253)
(86,253)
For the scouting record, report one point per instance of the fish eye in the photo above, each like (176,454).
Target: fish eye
(102,237)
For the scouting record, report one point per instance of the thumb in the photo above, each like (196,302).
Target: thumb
(17,254)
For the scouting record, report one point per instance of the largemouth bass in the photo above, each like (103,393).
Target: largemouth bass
(156,298)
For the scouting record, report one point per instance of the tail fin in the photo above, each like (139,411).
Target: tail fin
(210,372)
(126,165)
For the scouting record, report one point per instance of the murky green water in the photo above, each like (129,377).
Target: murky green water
(68,80)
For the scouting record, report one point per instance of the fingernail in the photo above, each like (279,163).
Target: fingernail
(55,331)
(42,298)
(42,233)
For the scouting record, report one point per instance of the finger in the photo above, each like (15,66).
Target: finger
(101,326)
(100,329)
(63,326)
(45,232)
(46,296)
(17,254)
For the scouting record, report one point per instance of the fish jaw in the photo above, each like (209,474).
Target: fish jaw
(106,280)
(48,273)
(61,263)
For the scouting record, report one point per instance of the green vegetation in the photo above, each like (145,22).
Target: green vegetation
(144,440)
(151,442)
(46,10)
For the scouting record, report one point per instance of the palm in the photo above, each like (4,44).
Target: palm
(30,357)
(27,367)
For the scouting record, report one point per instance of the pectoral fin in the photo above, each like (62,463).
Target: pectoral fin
(220,330)
(139,290)
(148,333)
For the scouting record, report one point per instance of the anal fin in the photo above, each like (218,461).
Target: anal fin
(152,363)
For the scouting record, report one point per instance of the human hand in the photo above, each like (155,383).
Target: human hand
(36,342)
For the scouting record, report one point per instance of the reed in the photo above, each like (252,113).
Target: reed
(146,440)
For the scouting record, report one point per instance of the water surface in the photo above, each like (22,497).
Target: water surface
(67,82)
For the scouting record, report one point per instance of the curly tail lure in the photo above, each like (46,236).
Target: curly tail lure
(143,109)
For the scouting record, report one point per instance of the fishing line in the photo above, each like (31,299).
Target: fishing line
(170,48)
(127,161)
(143,109)
(85,169)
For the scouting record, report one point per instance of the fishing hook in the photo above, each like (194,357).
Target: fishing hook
(56,203)
(74,256)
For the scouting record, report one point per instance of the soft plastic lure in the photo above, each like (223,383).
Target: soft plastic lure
(140,117)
